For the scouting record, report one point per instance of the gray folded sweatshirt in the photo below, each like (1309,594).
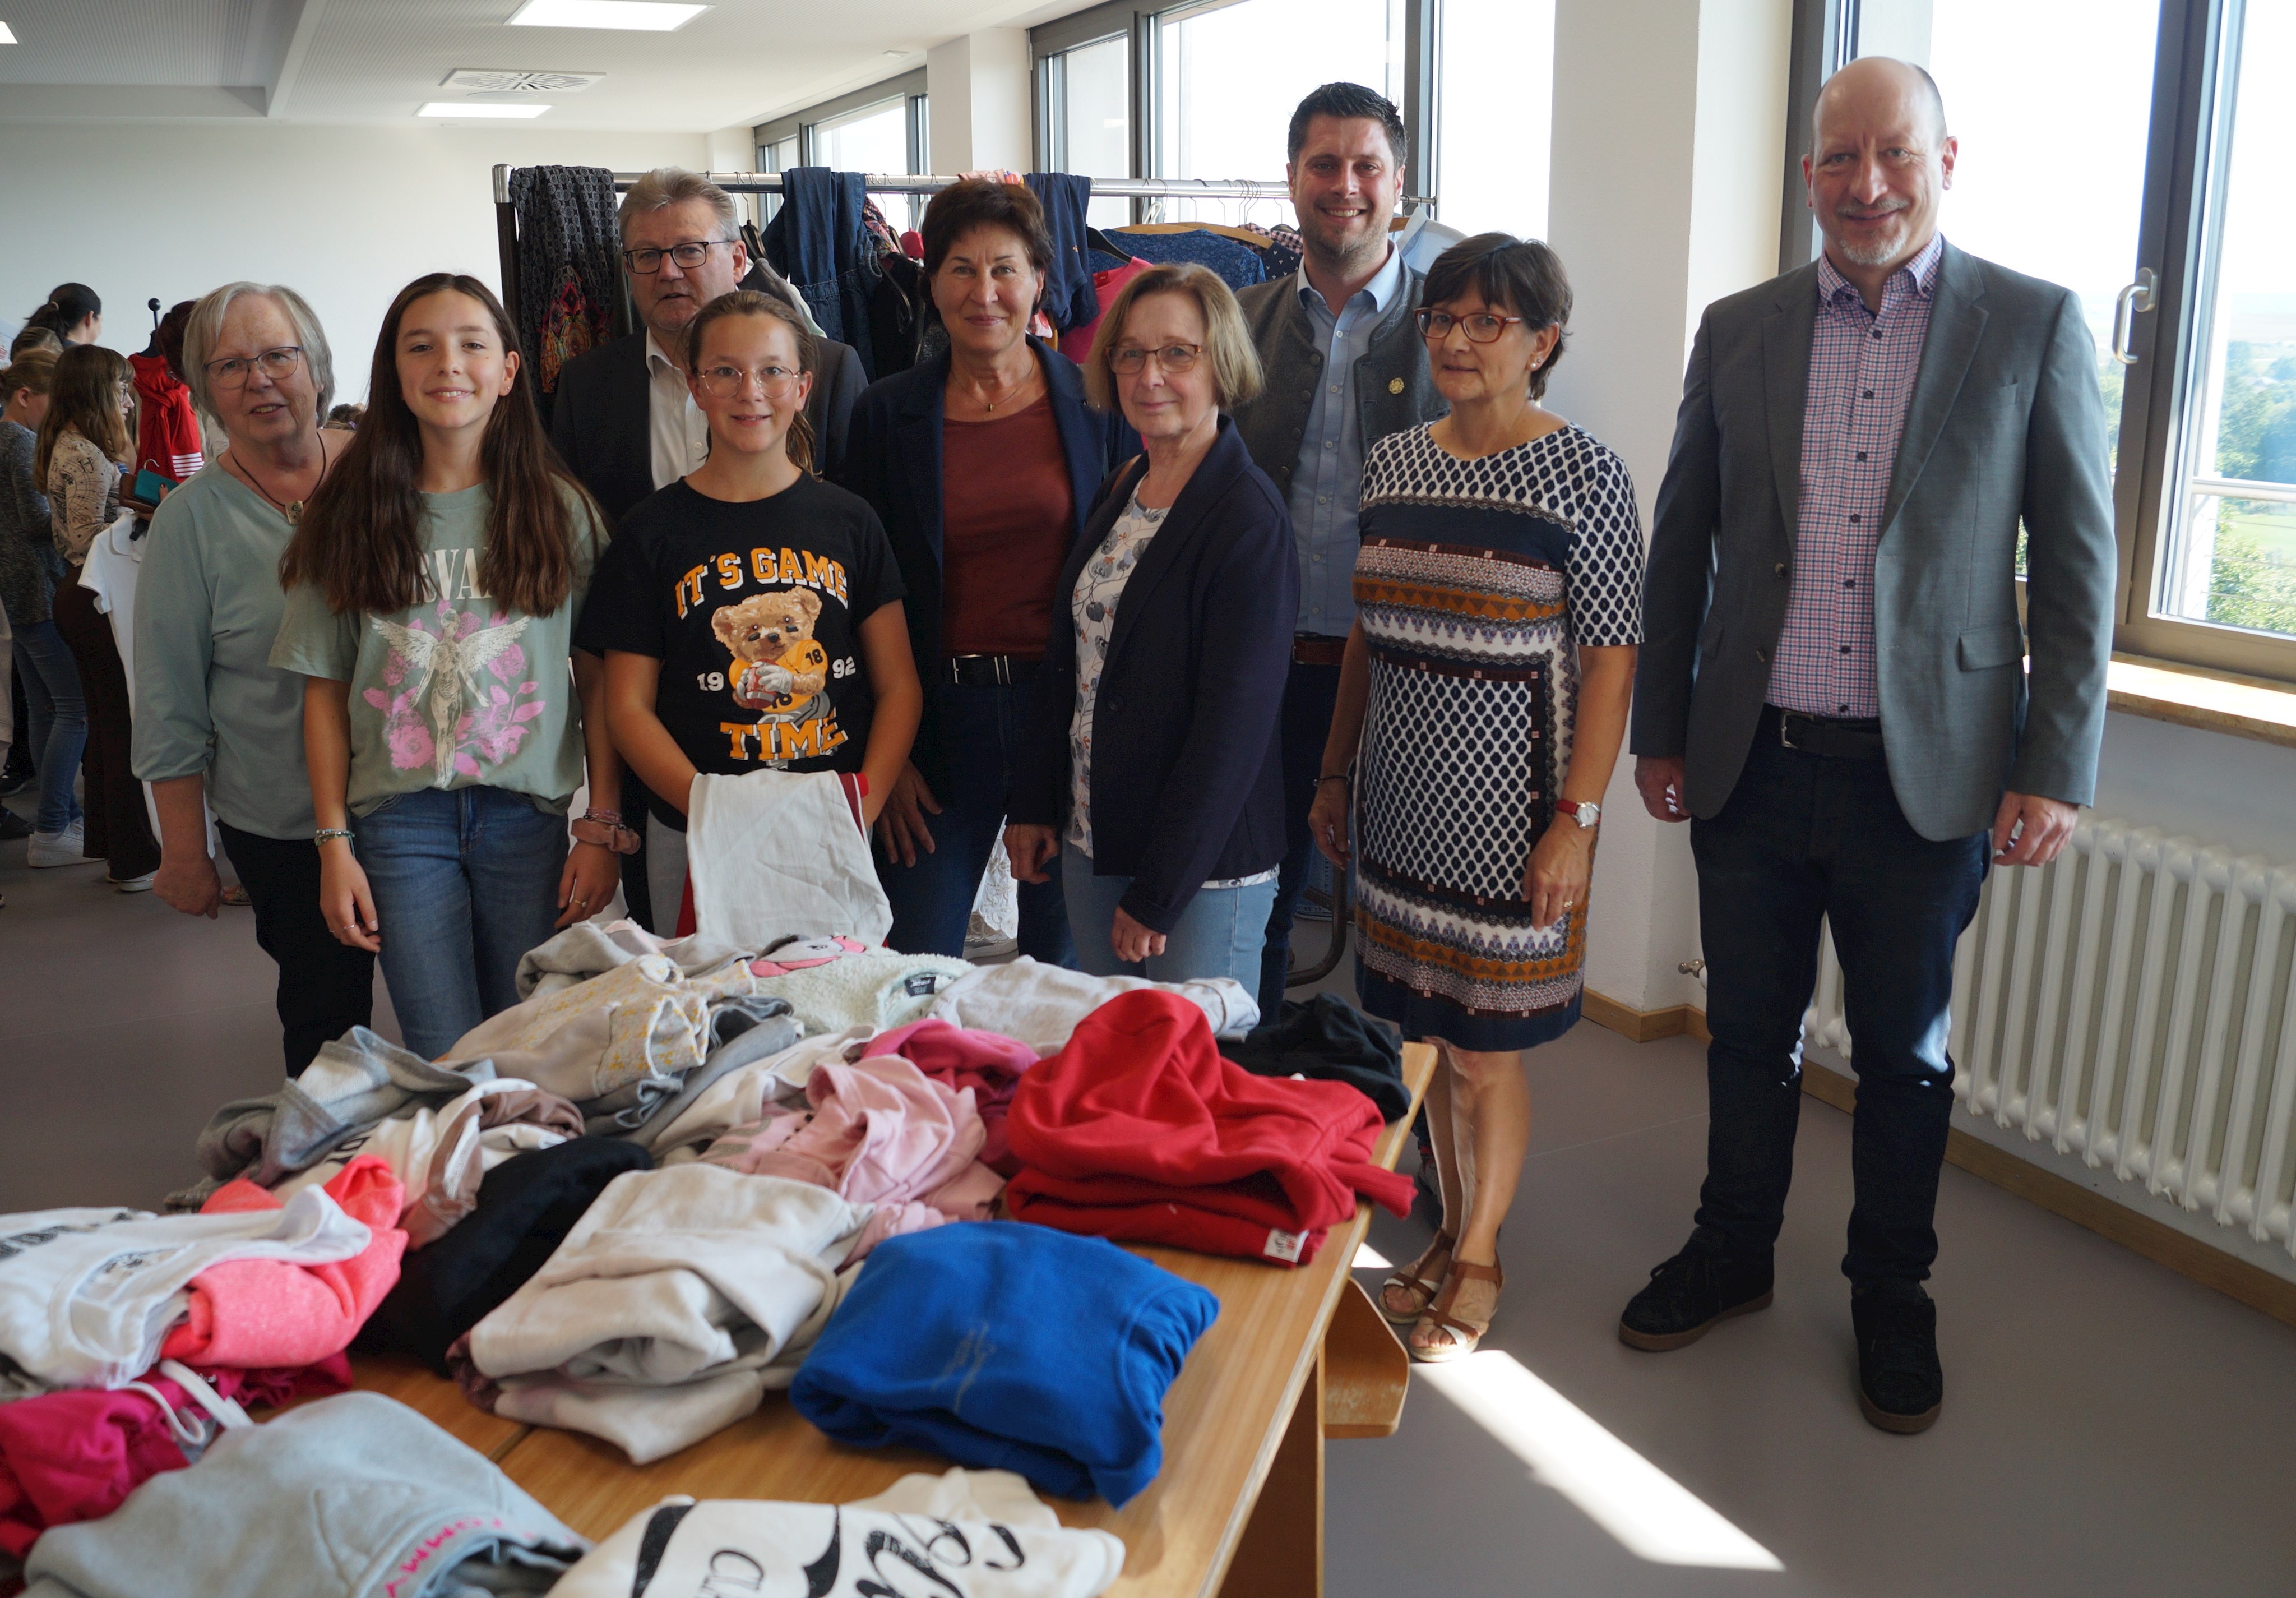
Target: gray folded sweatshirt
(355,1496)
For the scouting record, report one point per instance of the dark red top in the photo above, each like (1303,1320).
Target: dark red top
(1008,516)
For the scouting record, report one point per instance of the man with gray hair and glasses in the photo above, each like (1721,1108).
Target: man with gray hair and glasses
(624,423)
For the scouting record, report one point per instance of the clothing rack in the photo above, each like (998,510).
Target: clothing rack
(905,183)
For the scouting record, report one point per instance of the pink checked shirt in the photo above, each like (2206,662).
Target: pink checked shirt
(1862,366)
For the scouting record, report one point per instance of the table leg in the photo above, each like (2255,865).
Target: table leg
(1281,1554)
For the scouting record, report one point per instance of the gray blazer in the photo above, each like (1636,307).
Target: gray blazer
(2005,422)
(1394,387)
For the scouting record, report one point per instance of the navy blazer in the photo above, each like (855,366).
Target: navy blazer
(600,417)
(1187,778)
(893,460)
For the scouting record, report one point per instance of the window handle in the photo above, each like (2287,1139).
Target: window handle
(2134,298)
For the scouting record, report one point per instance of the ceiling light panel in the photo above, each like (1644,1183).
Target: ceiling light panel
(6,37)
(474,107)
(642,16)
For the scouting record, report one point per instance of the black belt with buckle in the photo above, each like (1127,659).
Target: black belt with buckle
(1830,738)
(987,670)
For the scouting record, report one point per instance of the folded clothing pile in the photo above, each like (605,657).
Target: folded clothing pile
(1011,1348)
(1042,1005)
(75,1456)
(354,1497)
(524,1209)
(832,986)
(987,1063)
(977,1533)
(88,1296)
(1139,1131)
(676,1301)
(1329,1039)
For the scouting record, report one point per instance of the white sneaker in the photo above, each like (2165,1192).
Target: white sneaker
(57,849)
(132,884)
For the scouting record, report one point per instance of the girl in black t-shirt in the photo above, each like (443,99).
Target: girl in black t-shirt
(750,614)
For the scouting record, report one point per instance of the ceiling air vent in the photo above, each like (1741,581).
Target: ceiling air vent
(481,80)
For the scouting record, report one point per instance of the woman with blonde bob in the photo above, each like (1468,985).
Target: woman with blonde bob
(1150,763)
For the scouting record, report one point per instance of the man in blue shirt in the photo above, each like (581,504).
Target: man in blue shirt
(1344,367)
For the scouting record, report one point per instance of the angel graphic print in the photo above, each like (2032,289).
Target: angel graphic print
(458,690)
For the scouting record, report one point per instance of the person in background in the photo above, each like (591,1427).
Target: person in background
(167,431)
(54,725)
(222,728)
(624,417)
(795,645)
(1345,369)
(1482,707)
(431,591)
(1835,686)
(983,463)
(34,338)
(346,418)
(1148,760)
(72,313)
(84,442)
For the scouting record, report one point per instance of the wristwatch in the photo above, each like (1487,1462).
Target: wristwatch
(1585,814)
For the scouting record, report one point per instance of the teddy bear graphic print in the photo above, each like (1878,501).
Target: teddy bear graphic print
(753,610)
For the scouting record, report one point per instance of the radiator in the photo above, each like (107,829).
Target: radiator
(2128,1004)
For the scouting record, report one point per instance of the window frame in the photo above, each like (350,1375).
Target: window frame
(2187,129)
(908,87)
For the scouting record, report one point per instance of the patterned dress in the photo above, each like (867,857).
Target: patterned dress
(1477,582)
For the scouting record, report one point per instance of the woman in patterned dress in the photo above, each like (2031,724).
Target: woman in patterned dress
(1482,701)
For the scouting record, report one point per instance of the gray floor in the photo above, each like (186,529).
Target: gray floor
(2110,1427)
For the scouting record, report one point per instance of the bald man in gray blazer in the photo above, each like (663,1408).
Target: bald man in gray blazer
(1834,691)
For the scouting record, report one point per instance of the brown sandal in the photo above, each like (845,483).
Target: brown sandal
(1462,1335)
(1412,1279)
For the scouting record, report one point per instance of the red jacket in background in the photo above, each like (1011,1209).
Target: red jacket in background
(1139,1131)
(166,431)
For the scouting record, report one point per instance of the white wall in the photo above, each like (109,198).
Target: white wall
(982,116)
(1668,132)
(345,216)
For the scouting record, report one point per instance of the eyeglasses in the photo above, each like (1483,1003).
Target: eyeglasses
(1172,357)
(233,373)
(725,380)
(646,262)
(1482,327)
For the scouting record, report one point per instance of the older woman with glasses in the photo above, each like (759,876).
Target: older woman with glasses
(1150,765)
(1482,699)
(218,727)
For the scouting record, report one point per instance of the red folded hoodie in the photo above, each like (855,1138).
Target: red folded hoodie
(167,430)
(1138,1131)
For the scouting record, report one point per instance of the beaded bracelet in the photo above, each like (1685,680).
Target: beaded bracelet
(325,833)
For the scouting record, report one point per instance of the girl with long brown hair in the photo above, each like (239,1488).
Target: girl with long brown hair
(433,584)
(85,441)
(749,614)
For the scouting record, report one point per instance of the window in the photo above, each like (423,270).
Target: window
(1227,77)
(877,129)
(874,138)
(1494,94)
(2184,254)
(1087,106)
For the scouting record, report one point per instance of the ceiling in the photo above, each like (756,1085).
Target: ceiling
(376,60)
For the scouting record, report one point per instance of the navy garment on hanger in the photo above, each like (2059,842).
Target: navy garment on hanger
(1069,298)
(819,240)
(1239,265)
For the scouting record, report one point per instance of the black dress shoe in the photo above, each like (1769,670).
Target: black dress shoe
(13,826)
(1692,1291)
(1900,1384)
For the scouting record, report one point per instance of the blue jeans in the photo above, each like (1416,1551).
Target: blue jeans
(58,712)
(1310,693)
(1802,838)
(464,881)
(1218,935)
(932,899)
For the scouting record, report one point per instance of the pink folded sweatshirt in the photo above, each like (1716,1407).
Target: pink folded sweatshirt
(268,1312)
(989,1063)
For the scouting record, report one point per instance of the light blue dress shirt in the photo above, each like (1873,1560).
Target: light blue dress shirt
(1327,484)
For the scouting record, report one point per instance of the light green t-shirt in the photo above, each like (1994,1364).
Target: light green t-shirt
(457,692)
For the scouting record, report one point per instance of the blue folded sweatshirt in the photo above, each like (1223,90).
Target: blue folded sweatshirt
(1003,1346)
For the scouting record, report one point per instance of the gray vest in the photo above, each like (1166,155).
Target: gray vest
(1394,387)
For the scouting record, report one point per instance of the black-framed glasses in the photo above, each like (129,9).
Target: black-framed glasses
(1482,327)
(1172,357)
(645,260)
(724,380)
(233,371)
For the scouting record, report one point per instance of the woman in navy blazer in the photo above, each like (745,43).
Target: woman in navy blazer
(1150,766)
(982,464)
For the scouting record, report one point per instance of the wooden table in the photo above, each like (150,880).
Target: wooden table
(1295,1357)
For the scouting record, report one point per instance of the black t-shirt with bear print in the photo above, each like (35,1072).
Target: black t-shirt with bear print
(754,611)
